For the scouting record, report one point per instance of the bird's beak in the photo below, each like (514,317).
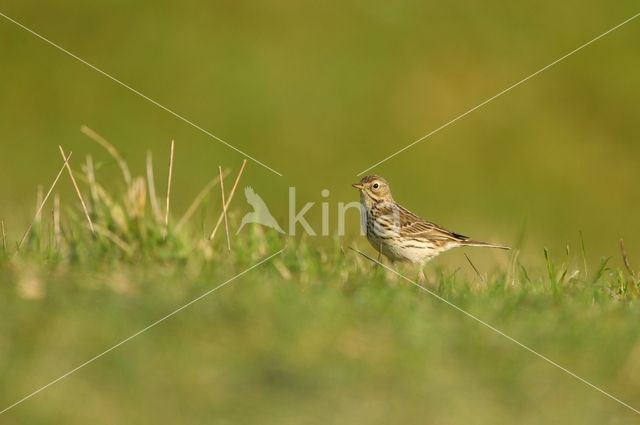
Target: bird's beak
(358,186)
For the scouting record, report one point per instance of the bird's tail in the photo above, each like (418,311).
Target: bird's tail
(470,242)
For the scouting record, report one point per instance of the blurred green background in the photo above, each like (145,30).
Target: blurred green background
(321,91)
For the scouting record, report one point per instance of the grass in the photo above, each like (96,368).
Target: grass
(315,335)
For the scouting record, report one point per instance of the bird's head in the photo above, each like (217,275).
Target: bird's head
(374,188)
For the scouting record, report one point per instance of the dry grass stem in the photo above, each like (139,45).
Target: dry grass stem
(198,200)
(282,269)
(473,266)
(233,190)
(39,197)
(224,209)
(112,151)
(166,216)
(512,272)
(625,259)
(90,172)
(39,210)
(98,193)
(75,186)
(584,255)
(57,230)
(115,239)
(153,198)
(4,237)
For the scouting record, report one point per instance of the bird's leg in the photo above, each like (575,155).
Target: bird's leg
(422,278)
(377,266)
(393,277)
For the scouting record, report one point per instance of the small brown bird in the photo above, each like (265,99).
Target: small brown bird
(398,233)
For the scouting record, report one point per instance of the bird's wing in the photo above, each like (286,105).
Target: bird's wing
(412,225)
(252,197)
(255,201)
(249,193)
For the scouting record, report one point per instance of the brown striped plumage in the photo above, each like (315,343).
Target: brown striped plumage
(398,233)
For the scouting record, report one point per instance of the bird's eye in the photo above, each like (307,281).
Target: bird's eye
(376,185)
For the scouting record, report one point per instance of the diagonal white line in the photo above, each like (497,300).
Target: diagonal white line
(499,332)
(124,341)
(115,80)
(541,70)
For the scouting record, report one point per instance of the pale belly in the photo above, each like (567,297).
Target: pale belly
(409,252)
(403,250)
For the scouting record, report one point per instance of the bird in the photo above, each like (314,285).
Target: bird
(260,213)
(401,235)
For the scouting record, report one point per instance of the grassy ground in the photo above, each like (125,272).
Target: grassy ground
(314,335)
